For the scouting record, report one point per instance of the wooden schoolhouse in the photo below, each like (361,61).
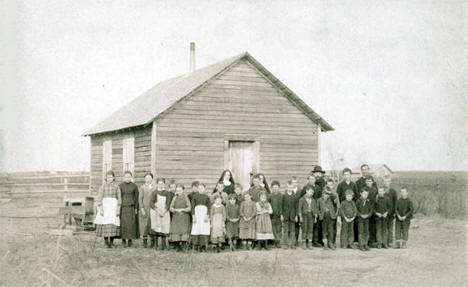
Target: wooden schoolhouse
(233,115)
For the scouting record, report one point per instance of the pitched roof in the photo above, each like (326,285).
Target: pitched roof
(151,104)
(372,168)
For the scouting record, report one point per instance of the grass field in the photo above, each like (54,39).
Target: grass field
(437,256)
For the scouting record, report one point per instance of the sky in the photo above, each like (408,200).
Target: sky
(389,76)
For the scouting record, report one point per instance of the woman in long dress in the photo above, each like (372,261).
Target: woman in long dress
(129,210)
(108,206)
(144,199)
(180,223)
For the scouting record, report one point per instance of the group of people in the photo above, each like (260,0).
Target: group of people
(166,215)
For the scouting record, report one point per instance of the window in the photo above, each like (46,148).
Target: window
(106,157)
(128,154)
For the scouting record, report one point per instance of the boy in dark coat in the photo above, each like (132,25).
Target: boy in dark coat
(404,213)
(348,213)
(327,214)
(372,196)
(307,215)
(364,209)
(345,185)
(381,211)
(289,214)
(276,202)
(392,197)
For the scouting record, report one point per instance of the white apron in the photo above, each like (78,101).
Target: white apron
(158,223)
(201,227)
(109,206)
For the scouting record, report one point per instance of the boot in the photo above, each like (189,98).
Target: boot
(163,243)
(244,245)
(325,244)
(111,242)
(266,245)
(145,243)
(231,245)
(309,245)
(277,244)
(153,242)
(124,243)
(352,246)
(403,245)
(304,245)
(106,241)
(366,247)
(332,246)
(384,246)
(379,246)
(397,244)
(129,243)
(249,245)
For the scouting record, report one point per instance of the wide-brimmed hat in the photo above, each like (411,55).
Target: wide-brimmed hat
(318,168)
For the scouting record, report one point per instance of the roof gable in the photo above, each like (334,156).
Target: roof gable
(154,102)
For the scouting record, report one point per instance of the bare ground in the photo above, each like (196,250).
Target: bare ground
(436,256)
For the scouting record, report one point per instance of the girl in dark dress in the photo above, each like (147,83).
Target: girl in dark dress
(129,210)
(228,181)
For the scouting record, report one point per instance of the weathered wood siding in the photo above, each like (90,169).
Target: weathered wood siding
(142,155)
(190,138)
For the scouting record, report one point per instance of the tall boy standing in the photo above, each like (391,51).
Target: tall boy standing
(348,212)
(404,213)
(276,202)
(381,211)
(392,196)
(364,209)
(289,213)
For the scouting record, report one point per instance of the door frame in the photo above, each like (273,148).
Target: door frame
(242,138)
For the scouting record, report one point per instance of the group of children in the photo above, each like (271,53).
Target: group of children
(260,217)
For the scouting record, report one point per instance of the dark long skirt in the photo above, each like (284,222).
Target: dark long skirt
(128,223)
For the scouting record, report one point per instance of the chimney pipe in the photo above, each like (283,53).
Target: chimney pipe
(192,57)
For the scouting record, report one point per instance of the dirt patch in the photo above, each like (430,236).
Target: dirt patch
(436,257)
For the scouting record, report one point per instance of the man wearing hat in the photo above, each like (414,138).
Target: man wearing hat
(318,172)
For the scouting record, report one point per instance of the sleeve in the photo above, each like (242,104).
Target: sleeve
(224,213)
(258,208)
(171,207)
(341,212)
(168,200)
(409,213)
(371,209)
(189,206)
(269,209)
(355,212)
(314,207)
(140,200)
(211,214)
(241,209)
(301,203)
(358,210)
(153,200)
(137,197)
(119,196)
(339,191)
(396,208)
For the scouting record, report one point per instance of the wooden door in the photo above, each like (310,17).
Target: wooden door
(242,160)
